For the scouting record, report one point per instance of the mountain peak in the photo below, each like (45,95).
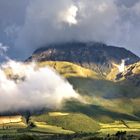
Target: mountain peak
(93,55)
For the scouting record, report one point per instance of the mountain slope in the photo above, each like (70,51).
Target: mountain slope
(130,76)
(96,56)
(106,99)
(88,82)
(89,67)
(68,69)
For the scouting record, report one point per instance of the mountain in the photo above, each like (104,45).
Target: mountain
(88,82)
(109,106)
(89,67)
(106,99)
(68,69)
(111,98)
(96,56)
(131,75)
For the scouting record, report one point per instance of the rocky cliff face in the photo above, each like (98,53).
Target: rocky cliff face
(131,75)
(96,56)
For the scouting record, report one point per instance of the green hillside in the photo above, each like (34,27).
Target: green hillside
(68,69)
(107,100)
(76,122)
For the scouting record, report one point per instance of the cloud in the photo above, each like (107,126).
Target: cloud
(3,51)
(127,3)
(11,14)
(114,22)
(47,23)
(30,87)
(69,16)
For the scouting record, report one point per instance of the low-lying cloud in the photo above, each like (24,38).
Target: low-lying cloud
(25,86)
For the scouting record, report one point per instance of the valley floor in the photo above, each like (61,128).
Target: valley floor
(118,130)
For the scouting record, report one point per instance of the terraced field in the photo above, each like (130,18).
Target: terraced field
(63,125)
(44,127)
(128,126)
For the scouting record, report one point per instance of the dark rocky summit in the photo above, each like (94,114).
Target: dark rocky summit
(96,56)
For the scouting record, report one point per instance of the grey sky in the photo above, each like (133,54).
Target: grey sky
(27,24)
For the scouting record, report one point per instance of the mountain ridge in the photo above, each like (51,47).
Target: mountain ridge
(96,56)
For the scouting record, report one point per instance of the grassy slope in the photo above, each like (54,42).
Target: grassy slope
(44,127)
(105,97)
(68,69)
(130,70)
(76,122)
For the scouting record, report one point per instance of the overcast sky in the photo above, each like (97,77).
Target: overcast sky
(28,24)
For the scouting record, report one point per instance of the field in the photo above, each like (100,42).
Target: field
(111,128)
(64,125)
(44,127)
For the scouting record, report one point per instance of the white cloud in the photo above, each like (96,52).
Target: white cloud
(48,22)
(114,22)
(69,15)
(32,87)
(3,48)
(3,51)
